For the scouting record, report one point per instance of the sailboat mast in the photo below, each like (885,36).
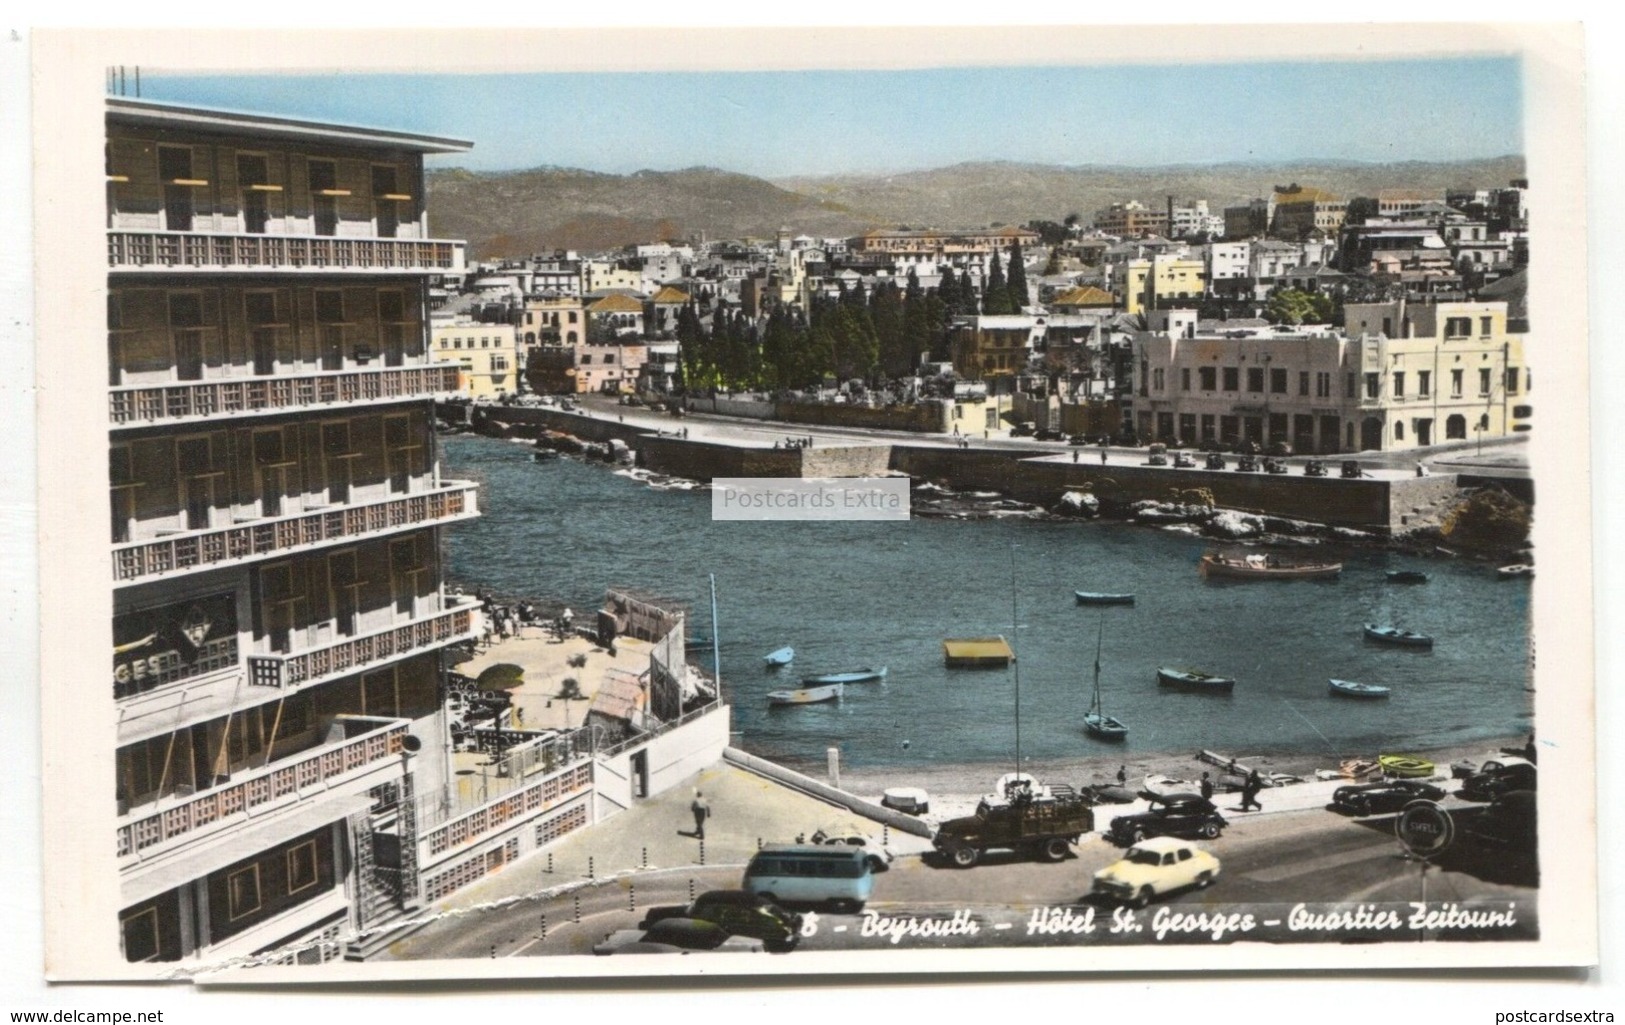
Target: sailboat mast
(1100,633)
(1015,629)
(716,637)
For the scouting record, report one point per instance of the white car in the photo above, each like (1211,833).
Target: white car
(880,856)
(1154,867)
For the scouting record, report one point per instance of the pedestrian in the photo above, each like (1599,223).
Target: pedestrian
(1207,787)
(1249,792)
(702,811)
(1102,457)
(1122,775)
(1074,457)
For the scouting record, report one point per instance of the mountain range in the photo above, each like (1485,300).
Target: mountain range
(516,213)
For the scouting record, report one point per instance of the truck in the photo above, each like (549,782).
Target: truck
(1036,820)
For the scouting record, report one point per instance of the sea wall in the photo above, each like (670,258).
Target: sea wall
(927,418)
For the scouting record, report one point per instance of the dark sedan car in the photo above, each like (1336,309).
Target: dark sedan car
(1384,796)
(1499,776)
(739,913)
(1186,815)
(676,936)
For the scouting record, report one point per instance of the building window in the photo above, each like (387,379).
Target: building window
(1232,379)
(302,867)
(1156,379)
(1455,383)
(586,358)
(1424,383)
(1455,427)
(1184,378)
(1373,386)
(498,362)
(1512,380)
(1483,381)
(1209,377)
(243,892)
(1303,382)
(1348,387)
(1255,379)
(1486,326)
(1458,327)
(1399,384)
(1277,381)
(1323,385)
(1399,430)
(141,935)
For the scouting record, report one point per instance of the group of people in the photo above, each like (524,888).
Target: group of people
(504,620)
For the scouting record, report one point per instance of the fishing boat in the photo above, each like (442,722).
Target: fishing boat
(1353,689)
(805,695)
(1395,636)
(1405,766)
(1407,576)
(782,657)
(1191,679)
(1261,566)
(1103,598)
(1096,722)
(1517,569)
(864,675)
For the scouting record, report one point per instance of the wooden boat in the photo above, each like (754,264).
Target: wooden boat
(1395,636)
(1103,598)
(1405,766)
(1353,689)
(1096,722)
(864,675)
(1191,679)
(1356,768)
(805,695)
(1159,785)
(782,657)
(1517,569)
(1407,576)
(1260,566)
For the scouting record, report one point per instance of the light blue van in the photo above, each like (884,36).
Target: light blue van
(840,877)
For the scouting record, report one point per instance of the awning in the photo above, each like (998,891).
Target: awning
(144,880)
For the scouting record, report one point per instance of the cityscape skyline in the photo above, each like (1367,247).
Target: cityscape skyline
(761,123)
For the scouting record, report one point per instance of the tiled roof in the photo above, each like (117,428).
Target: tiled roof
(668,294)
(1088,295)
(616,304)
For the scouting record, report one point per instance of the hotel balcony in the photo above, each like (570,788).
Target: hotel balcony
(169,251)
(459,621)
(358,752)
(141,561)
(190,401)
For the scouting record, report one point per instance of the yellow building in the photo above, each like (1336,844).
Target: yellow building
(1171,277)
(487,354)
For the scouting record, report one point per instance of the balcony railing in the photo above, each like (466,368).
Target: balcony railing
(248,794)
(140,405)
(457,623)
(143,560)
(165,250)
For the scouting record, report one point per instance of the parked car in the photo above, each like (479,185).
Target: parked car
(677,936)
(1025,429)
(1509,823)
(1078,439)
(1499,776)
(739,913)
(1170,815)
(1157,455)
(1153,868)
(880,856)
(1383,796)
(1048,434)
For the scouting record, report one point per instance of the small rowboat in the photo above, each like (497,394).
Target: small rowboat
(1191,679)
(805,695)
(1355,768)
(1257,566)
(782,657)
(1103,598)
(864,675)
(1352,689)
(1517,569)
(1405,766)
(1407,576)
(1395,636)
(1104,727)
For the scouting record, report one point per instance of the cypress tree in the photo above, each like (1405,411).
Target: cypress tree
(996,296)
(1018,279)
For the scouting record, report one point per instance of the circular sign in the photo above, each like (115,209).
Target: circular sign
(1424,828)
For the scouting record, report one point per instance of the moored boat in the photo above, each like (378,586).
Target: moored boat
(1517,569)
(781,657)
(1395,636)
(1192,679)
(1355,689)
(1405,766)
(1103,598)
(805,695)
(1096,722)
(1261,566)
(1407,576)
(864,675)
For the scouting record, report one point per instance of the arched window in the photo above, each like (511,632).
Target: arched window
(1399,430)
(1455,427)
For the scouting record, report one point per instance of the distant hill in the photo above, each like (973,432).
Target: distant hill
(520,212)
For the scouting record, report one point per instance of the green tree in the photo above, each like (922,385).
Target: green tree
(996,293)
(887,314)
(1017,285)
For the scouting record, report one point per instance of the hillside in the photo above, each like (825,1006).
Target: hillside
(516,213)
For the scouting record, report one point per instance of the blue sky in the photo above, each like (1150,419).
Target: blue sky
(826,122)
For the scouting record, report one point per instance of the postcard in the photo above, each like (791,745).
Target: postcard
(806,503)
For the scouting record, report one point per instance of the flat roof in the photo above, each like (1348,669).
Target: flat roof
(126,110)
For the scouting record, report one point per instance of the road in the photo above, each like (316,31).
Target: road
(1270,864)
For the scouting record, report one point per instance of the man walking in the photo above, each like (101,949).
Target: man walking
(1249,792)
(1122,775)
(1207,787)
(702,811)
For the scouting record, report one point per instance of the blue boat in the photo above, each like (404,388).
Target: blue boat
(782,657)
(864,675)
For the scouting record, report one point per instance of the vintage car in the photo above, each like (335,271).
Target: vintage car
(1498,776)
(738,913)
(677,936)
(1153,868)
(1169,815)
(880,856)
(1157,455)
(1384,796)
(1024,429)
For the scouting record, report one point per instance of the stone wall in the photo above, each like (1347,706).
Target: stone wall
(846,461)
(927,418)
(732,407)
(705,460)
